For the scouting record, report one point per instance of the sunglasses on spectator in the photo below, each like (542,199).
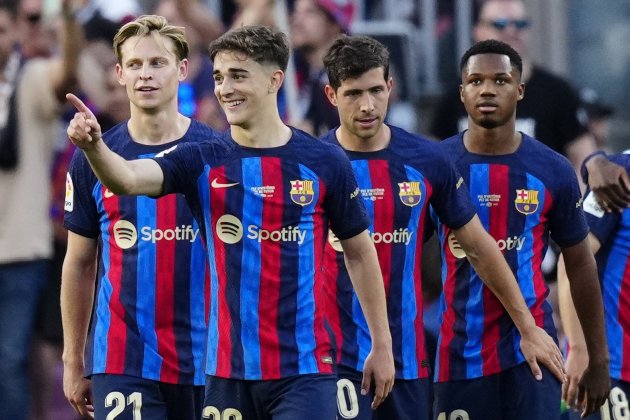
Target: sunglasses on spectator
(501,24)
(33,18)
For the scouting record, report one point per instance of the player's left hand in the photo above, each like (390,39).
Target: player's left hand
(594,386)
(538,347)
(610,183)
(379,365)
(576,364)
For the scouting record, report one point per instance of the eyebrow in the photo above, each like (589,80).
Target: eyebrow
(231,70)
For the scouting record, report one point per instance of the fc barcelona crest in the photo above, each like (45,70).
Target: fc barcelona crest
(302,192)
(409,193)
(526,201)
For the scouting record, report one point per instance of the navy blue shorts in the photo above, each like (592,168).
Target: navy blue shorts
(616,406)
(409,399)
(303,397)
(512,394)
(119,396)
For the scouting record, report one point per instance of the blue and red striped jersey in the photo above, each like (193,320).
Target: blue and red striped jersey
(151,303)
(613,263)
(397,184)
(266,214)
(522,198)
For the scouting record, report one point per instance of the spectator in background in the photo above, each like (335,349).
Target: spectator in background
(30,110)
(549,111)
(598,116)
(315,24)
(196,93)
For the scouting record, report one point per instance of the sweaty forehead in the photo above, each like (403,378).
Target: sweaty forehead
(488,64)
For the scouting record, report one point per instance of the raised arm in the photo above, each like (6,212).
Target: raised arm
(484,255)
(64,71)
(581,299)
(362,264)
(77,297)
(130,177)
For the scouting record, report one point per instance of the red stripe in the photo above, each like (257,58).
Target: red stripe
(492,308)
(270,257)
(624,322)
(384,213)
(539,286)
(117,333)
(447,331)
(165,290)
(217,209)
(331,293)
(323,345)
(421,354)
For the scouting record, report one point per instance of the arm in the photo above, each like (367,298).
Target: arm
(64,72)
(365,273)
(610,182)
(484,255)
(580,273)
(77,296)
(200,18)
(134,177)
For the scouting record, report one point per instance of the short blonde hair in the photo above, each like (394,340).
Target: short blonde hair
(152,25)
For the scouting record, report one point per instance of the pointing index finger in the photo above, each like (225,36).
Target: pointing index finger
(78,104)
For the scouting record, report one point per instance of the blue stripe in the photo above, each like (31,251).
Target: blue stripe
(251,270)
(197,304)
(305,316)
(362,174)
(408,297)
(103,314)
(525,271)
(203,188)
(479,185)
(441,237)
(146,288)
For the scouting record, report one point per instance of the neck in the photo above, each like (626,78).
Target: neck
(159,128)
(266,129)
(354,143)
(501,140)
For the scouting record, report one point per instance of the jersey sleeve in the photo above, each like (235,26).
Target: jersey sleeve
(450,198)
(567,224)
(345,209)
(80,211)
(179,166)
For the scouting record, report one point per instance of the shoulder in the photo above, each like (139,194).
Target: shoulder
(199,131)
(412,146)
(547,160)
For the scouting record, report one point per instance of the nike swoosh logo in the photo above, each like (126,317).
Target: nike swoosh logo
(108,193)
(217,184)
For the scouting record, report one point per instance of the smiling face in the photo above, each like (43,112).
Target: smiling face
(150,71)
(246,89)
(362,103)
(490,90)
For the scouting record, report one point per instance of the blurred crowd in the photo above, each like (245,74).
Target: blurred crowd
(51,47)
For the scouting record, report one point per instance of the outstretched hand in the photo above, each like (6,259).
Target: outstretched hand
(538,346)
(593,388)
(84,130)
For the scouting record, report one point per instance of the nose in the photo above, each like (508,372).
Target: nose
(225,87)
(367,103)
(488,87)
(145,74)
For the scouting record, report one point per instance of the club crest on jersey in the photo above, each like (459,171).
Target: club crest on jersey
(302,192)
(409,193)
(526,201)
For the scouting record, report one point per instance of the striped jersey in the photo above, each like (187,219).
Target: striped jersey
(397,185)
(151,303)
(613,263)
(265,213)
(522,198)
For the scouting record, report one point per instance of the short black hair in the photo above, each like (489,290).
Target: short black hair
(10,6)
(351,56)
(492,46)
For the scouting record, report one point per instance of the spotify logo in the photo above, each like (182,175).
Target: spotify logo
(229,229)
(125,234)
